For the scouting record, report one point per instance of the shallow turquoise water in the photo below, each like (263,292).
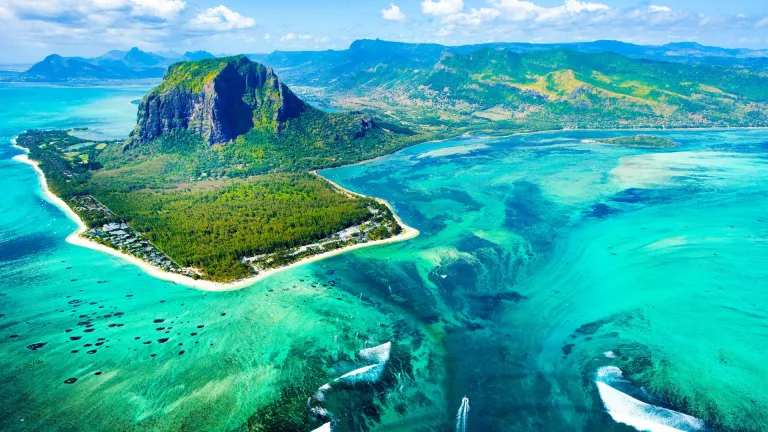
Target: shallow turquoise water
(538,254)
(558,251)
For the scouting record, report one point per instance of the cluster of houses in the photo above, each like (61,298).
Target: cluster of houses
(122,237)
(346,237)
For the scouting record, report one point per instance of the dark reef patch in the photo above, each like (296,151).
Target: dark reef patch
(601,211)
(36,346)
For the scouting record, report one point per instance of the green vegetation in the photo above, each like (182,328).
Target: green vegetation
(66,172)
(640,141)
(213,228)
(192,75)
(208,225)
(211,223)
(315,140)
(252,124)
(492,90)
(209,192)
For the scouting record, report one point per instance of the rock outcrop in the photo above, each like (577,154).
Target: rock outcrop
(219,99)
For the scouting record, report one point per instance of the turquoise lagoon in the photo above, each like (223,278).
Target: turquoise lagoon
(547,269)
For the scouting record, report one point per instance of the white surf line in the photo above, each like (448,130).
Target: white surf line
(625,409)
(324,428)
(77,239)
(463,415)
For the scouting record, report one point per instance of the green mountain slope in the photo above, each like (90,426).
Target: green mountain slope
(233,117)
(562,88)
(367,59)
(592,89)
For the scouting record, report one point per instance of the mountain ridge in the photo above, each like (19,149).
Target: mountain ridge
(320,65)
(113,65)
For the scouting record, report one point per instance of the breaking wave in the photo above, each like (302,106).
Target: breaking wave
(626,409)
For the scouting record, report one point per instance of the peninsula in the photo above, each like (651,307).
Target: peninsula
(215,184)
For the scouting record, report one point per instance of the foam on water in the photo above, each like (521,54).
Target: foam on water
(463,415)
(367,373)
(324,428)
(623,408)
(377,354)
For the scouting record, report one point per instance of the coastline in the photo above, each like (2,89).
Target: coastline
(75,238)
(408,232)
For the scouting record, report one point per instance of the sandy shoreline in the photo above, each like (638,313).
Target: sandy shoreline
(77,239)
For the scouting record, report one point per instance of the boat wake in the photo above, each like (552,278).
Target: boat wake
(463,415)
(643,416)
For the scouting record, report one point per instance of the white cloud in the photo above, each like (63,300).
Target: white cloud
(474,17)
(220,18)
(393,13)
(521,10)
(655,8)
(442,7)
(578,6)
(54,25)
(525,11)
(762,23)
(165,9)
(65,10)
(267,36)
(294,37)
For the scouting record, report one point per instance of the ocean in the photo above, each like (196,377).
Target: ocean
(556,285)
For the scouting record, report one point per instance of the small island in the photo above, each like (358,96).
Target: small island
(638,141)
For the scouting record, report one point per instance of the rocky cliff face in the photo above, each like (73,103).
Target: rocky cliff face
(218,99)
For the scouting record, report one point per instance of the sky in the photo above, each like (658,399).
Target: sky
(32,29)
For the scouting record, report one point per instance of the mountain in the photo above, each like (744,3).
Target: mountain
(132,64)
(495,89)
(113,65)
(231,115)
(216,99)
(197,55)
(58,68)
(365,56)
(317,68)
(138,57)
(593,89)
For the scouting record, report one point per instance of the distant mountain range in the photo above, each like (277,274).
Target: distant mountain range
(114,65)
(366,56)
(319,68)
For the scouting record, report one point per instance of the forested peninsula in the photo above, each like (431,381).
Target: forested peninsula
(214,182)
